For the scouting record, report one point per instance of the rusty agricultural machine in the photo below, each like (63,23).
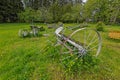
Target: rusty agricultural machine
(79,43)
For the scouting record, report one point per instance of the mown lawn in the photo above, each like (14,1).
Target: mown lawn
(36,59)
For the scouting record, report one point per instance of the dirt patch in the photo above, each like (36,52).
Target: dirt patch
(114,34)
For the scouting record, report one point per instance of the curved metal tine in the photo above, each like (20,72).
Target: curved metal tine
(69,56)
(92,41)
(92,48)
(74,49)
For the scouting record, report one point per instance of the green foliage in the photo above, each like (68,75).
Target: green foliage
(84,63)
(67,17)
(28,15)
(102,10)
(84,24)
(33,58)
(60,24)
(100,26)
(77,12)
(9,10)
(49,11)
(45,16)
(31,15)
(73,14)
(56,12)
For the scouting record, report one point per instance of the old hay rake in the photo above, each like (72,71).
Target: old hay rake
(79,43)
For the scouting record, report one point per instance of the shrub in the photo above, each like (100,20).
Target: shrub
(68,17)
(100,26)
(85,63)
(84,24)
(60,24)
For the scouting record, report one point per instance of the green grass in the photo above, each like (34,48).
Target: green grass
(36,59)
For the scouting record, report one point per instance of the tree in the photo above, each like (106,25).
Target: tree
(102,10)
(28,15)
(9,10)
(56,10)
(77,11)
(114,9)
(95,10)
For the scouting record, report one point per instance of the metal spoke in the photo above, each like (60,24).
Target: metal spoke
(92,41)
(89,35)
(92,48)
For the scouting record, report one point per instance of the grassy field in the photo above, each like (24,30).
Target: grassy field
(36,59)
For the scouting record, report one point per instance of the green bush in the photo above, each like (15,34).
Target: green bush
(100,26)
(84,24)
(85,63)
(60,24)
(68,17)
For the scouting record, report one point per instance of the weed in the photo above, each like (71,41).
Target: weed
(100,26)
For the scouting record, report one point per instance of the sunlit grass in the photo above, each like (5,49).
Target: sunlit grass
(34,58)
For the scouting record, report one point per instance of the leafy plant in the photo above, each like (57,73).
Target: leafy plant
(100,26)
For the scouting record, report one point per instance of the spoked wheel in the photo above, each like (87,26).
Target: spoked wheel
(89,39)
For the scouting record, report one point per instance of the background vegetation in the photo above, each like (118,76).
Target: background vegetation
(49,11)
